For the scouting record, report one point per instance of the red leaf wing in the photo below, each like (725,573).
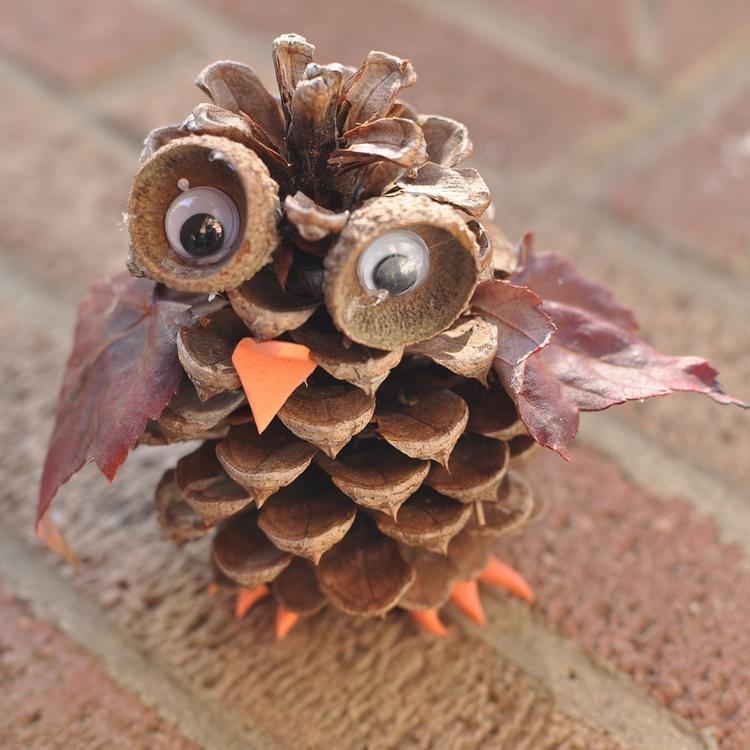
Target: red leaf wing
(515,311)
(553,277)
(594,361)
(122,372)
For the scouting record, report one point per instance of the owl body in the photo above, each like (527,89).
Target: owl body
(330,226)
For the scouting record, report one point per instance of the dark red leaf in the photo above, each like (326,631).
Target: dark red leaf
(594,360)
(516,312)
(554,278)
(122,372)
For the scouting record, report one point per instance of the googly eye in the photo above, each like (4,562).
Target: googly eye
(394,263)
(202,224)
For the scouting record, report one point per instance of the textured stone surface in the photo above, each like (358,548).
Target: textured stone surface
(582,22)
(55,695)
(643,582)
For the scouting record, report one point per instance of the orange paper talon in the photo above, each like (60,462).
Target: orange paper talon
(503,576)
(49,532)
(212,589)
(465,596)
(285,621)
(269,372)
(429,620)
(247,598)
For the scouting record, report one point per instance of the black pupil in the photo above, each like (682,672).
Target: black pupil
(202,234)
(396,274)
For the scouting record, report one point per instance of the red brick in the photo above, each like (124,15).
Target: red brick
(644,583)
(55,695)
(696,193)
(65,191)
(603,30)
(518,115)
(168,93)
(78,42)
(681,33)
(692,29)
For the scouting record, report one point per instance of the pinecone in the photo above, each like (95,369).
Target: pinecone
(383,481)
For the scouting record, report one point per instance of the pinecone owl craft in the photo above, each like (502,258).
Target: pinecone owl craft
(318,303)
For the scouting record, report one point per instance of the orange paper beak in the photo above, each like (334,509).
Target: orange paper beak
(269,372)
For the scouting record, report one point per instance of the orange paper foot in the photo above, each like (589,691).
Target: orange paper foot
(247,598)
(503,576)
(465,596)
(429,620)
(212,589)
(285,621)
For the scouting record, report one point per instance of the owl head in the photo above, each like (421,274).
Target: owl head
(334,203)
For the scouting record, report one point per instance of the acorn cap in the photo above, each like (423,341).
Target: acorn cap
(202,161)
(426,310)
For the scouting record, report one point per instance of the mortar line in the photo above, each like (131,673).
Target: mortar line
(200,719)
(655,468)
(689,103)
(544,49)
(643,32)
(584,687)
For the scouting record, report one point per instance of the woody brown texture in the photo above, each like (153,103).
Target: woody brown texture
(383,480)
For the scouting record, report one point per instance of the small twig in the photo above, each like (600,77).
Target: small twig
(479,510)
